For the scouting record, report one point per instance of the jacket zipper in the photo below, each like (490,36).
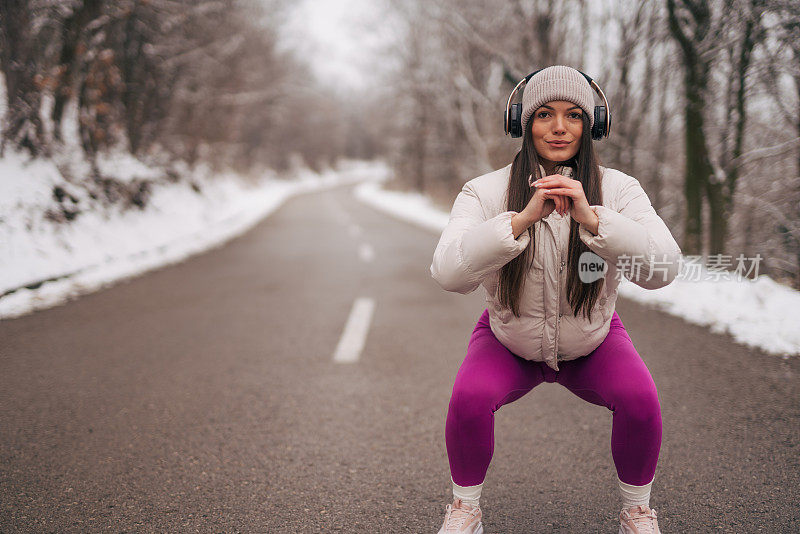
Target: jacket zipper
(558,292)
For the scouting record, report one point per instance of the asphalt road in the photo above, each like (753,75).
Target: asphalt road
(203,397)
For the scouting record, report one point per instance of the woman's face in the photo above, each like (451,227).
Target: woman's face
(558,120)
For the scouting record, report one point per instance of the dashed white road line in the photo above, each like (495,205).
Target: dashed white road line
(355,331)
(365,252)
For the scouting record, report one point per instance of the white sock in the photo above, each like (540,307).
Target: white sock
(468,494)
(633,495)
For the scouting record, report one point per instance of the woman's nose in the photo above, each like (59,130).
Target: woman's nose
(558,125)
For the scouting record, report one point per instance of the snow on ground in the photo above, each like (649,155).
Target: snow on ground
(101,246)
(758,313)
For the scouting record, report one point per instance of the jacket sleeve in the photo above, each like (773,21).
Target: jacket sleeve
(472,247)
(635,239)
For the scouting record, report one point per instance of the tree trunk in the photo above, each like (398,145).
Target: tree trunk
(133,75)
(797,182)
(73,42)
(698,168)
(721,195)
(24,128)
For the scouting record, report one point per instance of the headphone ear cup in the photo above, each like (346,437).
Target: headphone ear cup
(516,120)
(599,127)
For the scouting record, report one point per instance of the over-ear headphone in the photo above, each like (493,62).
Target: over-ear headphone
(512,120)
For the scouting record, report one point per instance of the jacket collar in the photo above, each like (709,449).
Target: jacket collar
(566,170)
(560,169)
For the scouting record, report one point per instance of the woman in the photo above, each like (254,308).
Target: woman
(549,250)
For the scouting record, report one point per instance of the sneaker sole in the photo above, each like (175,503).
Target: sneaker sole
(479,531)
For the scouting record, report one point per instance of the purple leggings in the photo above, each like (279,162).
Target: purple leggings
(613,375)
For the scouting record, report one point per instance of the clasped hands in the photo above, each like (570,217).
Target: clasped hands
(568,195)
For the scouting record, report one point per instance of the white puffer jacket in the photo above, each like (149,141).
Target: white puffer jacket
(478,241)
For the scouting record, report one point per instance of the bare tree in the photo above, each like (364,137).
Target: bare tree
(199,79)
(778,71)
(75,40)
(696,30)
(746,32)
(18,59)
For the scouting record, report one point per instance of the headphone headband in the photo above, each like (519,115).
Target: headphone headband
(512,120)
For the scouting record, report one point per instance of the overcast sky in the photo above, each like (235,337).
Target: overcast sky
(345,41)
(340,38)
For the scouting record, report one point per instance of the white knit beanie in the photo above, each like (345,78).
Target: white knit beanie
(558,82)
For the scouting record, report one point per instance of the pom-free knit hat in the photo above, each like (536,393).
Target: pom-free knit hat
(557,82)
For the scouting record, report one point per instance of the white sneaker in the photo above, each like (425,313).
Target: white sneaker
(462,518)
(638,519)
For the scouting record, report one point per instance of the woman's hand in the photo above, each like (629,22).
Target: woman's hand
(571,192)
(539,206)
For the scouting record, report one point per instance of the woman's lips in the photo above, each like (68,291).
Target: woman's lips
(558,144)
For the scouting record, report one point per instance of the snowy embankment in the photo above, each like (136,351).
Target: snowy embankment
(58,261)
(44,262)
(758,313)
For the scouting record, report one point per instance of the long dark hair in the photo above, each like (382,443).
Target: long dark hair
(513,274)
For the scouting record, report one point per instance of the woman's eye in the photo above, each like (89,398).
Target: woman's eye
(573,115)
